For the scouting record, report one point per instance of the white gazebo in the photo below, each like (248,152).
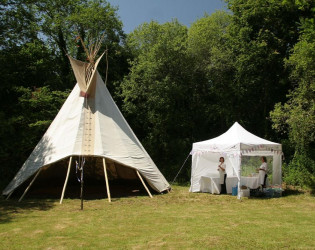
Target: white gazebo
(232,145)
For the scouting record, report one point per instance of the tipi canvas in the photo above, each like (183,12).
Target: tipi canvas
(89,124)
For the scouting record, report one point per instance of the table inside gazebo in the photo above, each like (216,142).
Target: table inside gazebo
(250,182)
(211,184)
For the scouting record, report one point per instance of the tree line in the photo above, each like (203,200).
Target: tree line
(254,63)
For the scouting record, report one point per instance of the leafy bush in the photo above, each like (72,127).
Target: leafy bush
(300,171)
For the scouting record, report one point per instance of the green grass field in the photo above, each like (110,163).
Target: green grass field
(179,220)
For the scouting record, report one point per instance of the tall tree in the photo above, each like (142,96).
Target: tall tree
(296,117)
(158,91)
(262,36)
(63,21)
(208,45)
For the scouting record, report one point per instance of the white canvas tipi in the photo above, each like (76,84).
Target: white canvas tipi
(90,124)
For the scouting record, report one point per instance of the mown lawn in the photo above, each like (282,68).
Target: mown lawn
(179,220)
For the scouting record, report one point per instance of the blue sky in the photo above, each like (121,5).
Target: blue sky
(134,12)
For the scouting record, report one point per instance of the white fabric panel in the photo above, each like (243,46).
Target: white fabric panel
(210,185)
(118,141)
(113,139)
(251,182)
(206,164)
(231,182)
(277,171)
(235,166)
(79,68)
(203,165)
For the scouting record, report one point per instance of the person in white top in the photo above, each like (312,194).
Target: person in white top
(263,172)
(222,172)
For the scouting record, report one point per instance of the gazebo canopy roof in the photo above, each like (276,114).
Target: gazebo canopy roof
(235,139)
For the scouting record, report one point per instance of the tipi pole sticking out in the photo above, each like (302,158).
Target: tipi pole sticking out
(89,124)
(144,184)
(9,195)
(106,180)
(66,181)
(31,183)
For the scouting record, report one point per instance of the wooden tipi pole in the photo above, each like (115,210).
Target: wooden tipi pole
(81,194)
(106,180)
(9,195)
(66,181)
(145,186)
(30,184)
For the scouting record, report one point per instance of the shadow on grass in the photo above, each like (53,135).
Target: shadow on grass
(9,208)
(117,192)
(293,190)
(262,197)
(290,192)
(45,198)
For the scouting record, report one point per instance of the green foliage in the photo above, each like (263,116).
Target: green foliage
(61,22)
(300,171)
(17,23)
(213,62)
(24,68)
(21,130)
(296,117)
(157,92)
(208,32)
(41,105)
(262,35)
(28,65)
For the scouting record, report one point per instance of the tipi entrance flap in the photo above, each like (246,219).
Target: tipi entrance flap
(79,69)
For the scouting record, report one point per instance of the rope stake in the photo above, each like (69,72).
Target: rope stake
(180,168)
